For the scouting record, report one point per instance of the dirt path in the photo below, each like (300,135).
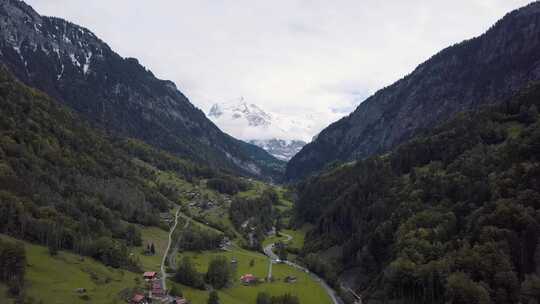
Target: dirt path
(165,254)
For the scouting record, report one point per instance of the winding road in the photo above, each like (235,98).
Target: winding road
(165,254)
(274,258)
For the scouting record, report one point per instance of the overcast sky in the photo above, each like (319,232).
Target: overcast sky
(287,56)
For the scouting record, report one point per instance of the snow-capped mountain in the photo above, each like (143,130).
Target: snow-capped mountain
(281,135)
(279,148)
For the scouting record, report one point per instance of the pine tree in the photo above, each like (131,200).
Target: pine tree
(213,298)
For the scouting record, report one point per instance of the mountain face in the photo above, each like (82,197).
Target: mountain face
(281,135)
(117,94)
(447,217)
(479,71)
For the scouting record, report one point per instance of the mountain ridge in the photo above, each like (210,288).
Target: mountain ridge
(505,59)
(119,95)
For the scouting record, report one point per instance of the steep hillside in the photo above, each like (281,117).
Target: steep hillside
(69,187)
(118,94)
(449,217)
(479,71)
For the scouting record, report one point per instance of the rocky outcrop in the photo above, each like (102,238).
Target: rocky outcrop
(117,94)
(465,76)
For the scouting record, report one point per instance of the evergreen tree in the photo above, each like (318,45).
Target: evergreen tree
(219,273)
(263,298)
(187,274)
(213,297)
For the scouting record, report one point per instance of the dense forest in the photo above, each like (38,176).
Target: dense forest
(67,186)
(452,216)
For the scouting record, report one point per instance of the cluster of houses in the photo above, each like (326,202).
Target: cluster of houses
(155,292)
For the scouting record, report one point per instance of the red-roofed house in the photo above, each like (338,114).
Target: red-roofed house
(150,275)
(138,299)
(180,301)
(248,278)
(157,290)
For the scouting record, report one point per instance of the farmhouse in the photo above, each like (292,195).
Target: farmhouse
(150,275)
(138,299)
(248,278)
(157,290)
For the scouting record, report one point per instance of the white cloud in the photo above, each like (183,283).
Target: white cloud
(288,56)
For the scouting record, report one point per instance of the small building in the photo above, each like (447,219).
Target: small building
(138,299)
(290,279)
(157,290)
(178,300)
(248,279)
(150,275)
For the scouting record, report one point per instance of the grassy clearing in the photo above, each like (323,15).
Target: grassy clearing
(273,239)
(55,279)
(256,189)
(298,237)
(306,288)
(243,257)
(157,236)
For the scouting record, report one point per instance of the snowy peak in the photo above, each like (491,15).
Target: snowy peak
(279,148)
(249,121)
(281,135)
(251,113)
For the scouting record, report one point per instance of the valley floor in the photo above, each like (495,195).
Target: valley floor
(57,279)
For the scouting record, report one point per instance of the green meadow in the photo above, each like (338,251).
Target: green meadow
(55,279)
(306,288)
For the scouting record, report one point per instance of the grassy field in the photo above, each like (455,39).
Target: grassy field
(273,239)
(159,238)
(298,237)
(308,290)
(55,279)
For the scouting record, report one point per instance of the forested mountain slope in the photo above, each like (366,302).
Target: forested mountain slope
(479,71)
(72,65)
(67,186)
(452,216)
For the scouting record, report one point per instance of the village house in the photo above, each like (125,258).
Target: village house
(150,275)
(225,243)
(157,290)
(248,279)
(138,299)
